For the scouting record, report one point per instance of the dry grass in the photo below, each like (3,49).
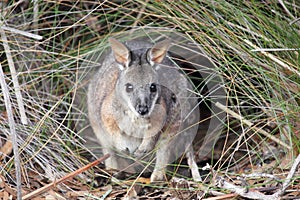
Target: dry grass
(254,44)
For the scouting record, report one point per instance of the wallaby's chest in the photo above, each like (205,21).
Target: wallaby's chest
(135,126)
(119,119)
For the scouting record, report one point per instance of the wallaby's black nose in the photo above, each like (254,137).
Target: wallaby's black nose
(142,110)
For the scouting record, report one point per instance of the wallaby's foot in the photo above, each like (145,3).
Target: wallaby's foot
(111,162)
(193,165)
(158,175)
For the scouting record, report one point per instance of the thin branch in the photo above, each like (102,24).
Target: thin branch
(260,175)
(289,177)
(35,14)
(286,10)
(272,57)
(275,49)
(24,33)
(251,194)
(13,133)
(63,179)
(250,124)
(14,78)
(294,21)
(255,194)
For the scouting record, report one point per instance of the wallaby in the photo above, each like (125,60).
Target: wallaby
(138,104)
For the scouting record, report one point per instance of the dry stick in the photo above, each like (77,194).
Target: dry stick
(289,177)
(24,33)
(254,194)
(225,196)
(250,124)
(35,14)
(14,78)
(275,49)
(13,133)
(272,57)
(294,21)
(63,179)
(251,194)
(285,9)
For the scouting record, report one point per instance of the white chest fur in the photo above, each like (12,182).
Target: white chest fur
(135,126)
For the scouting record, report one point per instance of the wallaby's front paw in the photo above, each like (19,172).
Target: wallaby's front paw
(143,149)
(158,175)
(140,152)
(146,147)
(126,151)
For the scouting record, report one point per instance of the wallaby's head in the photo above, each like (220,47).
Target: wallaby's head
(138,84)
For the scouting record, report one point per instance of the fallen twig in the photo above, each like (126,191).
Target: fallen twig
(242,191)
(289,176)
(255,193)
(63,179)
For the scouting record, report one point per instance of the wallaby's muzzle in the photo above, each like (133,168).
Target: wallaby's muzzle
(142,106)
(142,109)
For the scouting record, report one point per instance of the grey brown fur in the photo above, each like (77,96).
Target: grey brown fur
(137,104)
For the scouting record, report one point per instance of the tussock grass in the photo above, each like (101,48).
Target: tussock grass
(254,44)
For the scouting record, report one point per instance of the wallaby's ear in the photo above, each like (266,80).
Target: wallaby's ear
(121,52)
(158,52)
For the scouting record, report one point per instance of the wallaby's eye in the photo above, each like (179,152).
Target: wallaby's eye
(129,87)
(173,97)
(153,88)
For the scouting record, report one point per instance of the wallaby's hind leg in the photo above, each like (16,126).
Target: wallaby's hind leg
(163,157)
(192,164)
(111,162)
(162,160)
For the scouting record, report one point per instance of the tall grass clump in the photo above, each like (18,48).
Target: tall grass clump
(253,44)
